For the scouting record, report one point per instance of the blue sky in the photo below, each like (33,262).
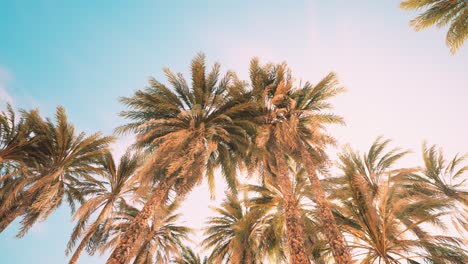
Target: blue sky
(402,84)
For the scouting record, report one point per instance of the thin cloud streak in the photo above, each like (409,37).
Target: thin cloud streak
(5,78)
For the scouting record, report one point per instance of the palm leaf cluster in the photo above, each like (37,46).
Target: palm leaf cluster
(441,13)
(58,160)
(389,213)
(297,208)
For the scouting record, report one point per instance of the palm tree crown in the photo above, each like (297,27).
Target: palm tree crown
(187,128)
(386,219)
(232,234)
(104,192)
(187,132)
(442,13)
(63,160)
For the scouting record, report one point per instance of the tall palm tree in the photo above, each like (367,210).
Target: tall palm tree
(442,13)
(232,235)
(274,166)
(161,241)
(103,194)
(270,153)
(257,226)
(62,160)
(294,124)
(269,198)
(187,132)
(384,217)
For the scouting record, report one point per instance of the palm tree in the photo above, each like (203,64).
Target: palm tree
(441,178)
(62,160)
(10,190)
(257,226)
(232,235)
(269,198)
(17,144)
(16,137)
(384,217)
(294,124)
(274,167)
(161,241)
(187,132)
(103,196)
(270,155)
(442,13)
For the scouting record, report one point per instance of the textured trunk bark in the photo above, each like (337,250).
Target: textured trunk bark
(121,253)
(248,259)
(89,234)
(294,228)
(295,233)
(334,237)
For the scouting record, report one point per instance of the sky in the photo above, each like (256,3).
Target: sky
(84,55)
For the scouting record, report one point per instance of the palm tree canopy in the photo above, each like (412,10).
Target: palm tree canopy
(442,178)
(189,129)
(63,160)
(446,176)
(293,118)
(232,234)
(15,137)
(386,219)
(17,144)
(442,13)
(103,192)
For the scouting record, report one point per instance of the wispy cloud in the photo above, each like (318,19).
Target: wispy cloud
(5,78)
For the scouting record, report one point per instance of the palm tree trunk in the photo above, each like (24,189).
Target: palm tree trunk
(121,253)
(295,232)
(294,228)
(90,233)
(248,259)
(332,233)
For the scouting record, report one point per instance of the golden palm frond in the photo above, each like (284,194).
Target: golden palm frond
(442,13)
